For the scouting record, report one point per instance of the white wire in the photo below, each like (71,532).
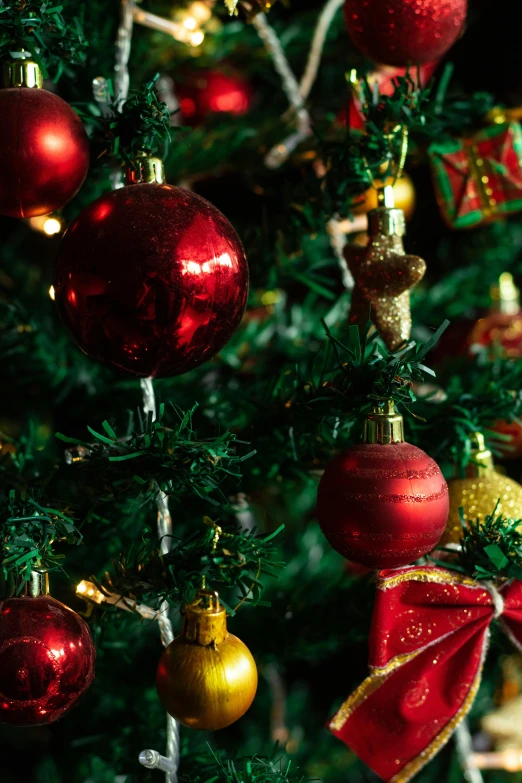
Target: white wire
(170,763)
(465,753)
(296,94)
(272,43)
(123,50)
(338,242)
(318,41)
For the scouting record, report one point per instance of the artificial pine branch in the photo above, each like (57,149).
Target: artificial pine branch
(234,558)
(482,390)
(214,767)
(29,533)
(40,27)
(490,549)
(141,125)
(155,454)
(362,371)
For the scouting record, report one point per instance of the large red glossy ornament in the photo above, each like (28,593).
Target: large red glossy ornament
(404,32)
(151,279)
(44,151)
(383,504)
(46,660)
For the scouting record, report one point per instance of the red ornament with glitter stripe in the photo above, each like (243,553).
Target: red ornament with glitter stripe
(383,503)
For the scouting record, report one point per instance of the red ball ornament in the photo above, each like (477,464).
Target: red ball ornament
(404,32)
(151,279)
(383,504)
(44,150)
(46,660)
(210,92)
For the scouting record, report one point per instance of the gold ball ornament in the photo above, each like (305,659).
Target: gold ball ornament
(206,678)
(403,194)
(478,493)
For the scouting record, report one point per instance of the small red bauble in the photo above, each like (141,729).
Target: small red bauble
(404,32)
(211,92)
(151,279)
(383,506)
(497,328)
(44,152)
(46,660)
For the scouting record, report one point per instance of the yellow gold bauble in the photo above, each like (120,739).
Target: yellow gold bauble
(478,493)
(207,678)
(403,193)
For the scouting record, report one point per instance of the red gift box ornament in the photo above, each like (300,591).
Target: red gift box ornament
(478,179)
(428,641)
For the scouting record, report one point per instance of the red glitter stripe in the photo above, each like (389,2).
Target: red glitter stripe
(374,497)
(432,470)
(361,536)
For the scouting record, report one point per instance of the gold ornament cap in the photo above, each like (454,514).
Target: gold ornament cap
(21,73)
(146,169)
(39,583)
(387,221)
(505,295)
(482,458)
(384,425)
(205,620)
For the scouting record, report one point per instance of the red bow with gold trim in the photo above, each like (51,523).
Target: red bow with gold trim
(429,636)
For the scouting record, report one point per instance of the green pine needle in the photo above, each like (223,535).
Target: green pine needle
(156,454)
(213,767)
(29,533)
(479,391)
(141,125)
(491,549)
(40,28)
(239,558)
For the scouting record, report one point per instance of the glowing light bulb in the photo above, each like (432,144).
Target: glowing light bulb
(201,11)
(190,23)
(52,226)
(47,224)
(52,293)
(197,38)
(89,591)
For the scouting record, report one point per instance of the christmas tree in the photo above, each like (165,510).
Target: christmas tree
(261,434)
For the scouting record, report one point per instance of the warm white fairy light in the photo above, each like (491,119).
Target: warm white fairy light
(50,225)
(509,760)
(52,294)
(180,31)
(90,592)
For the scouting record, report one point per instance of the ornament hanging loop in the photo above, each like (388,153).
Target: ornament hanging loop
(208,599)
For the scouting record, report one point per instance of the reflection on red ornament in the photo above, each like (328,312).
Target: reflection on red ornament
(151,280)
(209,92)
(46,660)
(45,152)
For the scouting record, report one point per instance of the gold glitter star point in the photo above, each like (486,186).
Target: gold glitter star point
(232,7)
